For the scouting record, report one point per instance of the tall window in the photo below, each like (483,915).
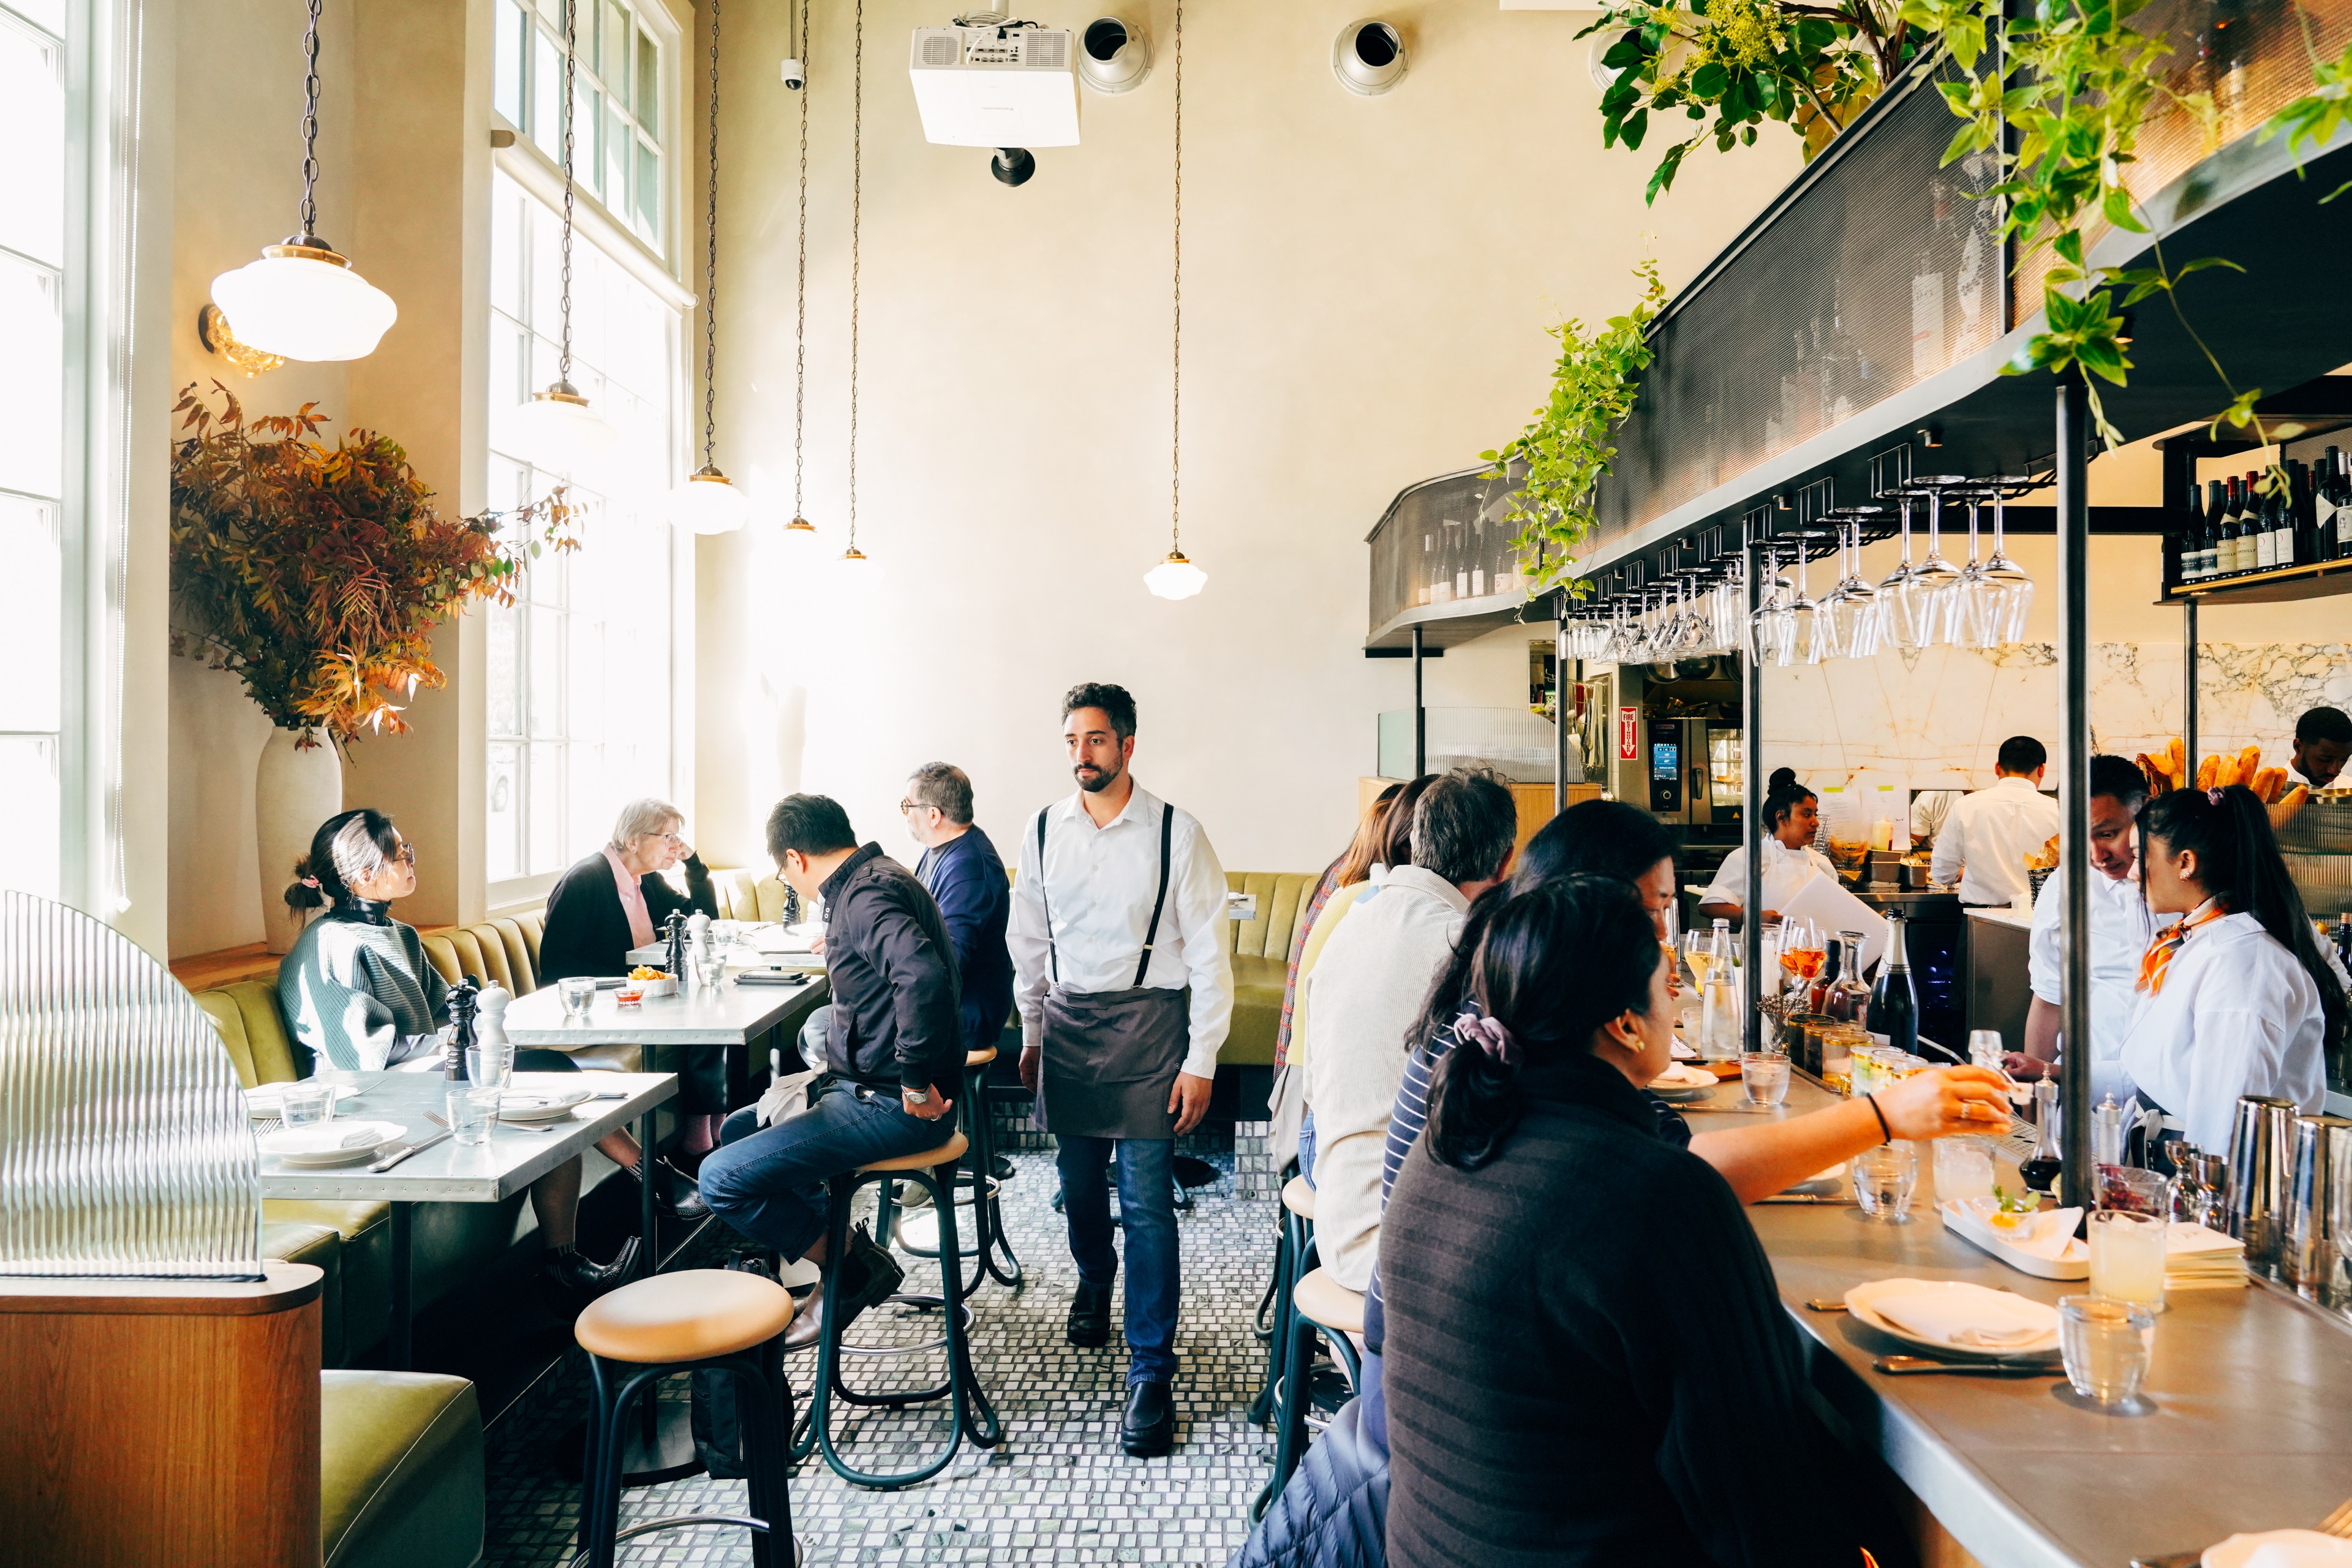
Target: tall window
(616,125)
(34,650)
(581,681)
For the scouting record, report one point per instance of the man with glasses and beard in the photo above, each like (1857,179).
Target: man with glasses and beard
(1125,991)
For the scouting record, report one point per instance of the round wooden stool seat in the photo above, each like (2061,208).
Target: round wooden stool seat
(947,1153)
(979,1058)
(1329,1302)
(694,1314)
(1299,1197)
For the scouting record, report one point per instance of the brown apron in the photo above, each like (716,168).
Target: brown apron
(1111,1056)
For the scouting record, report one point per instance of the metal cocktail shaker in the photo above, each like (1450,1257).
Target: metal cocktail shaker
(2307,1252)
(2338,1285)
(2258,1149)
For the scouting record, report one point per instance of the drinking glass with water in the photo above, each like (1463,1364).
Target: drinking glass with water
(1883,1179)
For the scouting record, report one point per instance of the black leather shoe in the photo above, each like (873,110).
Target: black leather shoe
(575,1271)
(675,1191)
(872,1277)
(1089,1322)
(1147,1430)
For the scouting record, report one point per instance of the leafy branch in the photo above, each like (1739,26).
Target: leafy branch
(1566,446)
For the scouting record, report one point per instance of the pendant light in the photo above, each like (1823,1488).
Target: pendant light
(709,502)
(857,189)
(800,535)
(1177,577)
(556,430)
(302,299)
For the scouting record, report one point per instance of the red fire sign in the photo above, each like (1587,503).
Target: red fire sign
(1629,740)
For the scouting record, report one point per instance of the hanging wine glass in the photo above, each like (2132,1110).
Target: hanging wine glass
(2012,588)
(1860,620)
(1936,572)
(1803,641)
(1766,626)
(1966,599)
(1904,601)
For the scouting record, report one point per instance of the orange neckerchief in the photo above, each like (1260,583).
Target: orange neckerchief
(2168,942)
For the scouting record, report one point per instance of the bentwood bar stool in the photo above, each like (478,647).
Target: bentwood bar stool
(695,1319)
(972,1415)
(978,1179)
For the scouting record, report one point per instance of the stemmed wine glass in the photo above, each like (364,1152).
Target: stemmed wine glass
(1855,619)
(1805,639)
(1936,572)
(1966,599)
(2012,589)
(1905,607)
(1767,628)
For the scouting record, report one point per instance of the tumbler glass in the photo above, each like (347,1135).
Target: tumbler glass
(1963,1168)
(1765,1075)
(2127,1258)
(1884,1179)
(579,994)
(490,1066)
(306,1104)
(2105,1343)
(470,1114)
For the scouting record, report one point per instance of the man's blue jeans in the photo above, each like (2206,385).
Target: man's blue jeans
(1147,1207)
(768,1183)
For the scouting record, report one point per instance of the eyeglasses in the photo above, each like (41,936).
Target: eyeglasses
(406,855)
(906,806)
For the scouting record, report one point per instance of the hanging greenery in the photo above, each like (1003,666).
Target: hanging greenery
(317,575)
(1566,449)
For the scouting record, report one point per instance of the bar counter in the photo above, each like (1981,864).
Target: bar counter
(2252,1428)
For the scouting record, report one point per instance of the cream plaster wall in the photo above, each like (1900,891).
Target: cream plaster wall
(1367,284)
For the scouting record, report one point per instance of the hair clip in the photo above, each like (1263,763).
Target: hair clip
(1490,1035)
(309,881)
(2214,795)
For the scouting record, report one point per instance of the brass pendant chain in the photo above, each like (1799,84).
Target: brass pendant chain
(309,231)
(1176,388)
(571,62)
(710,264)
(856,188)
(799,319)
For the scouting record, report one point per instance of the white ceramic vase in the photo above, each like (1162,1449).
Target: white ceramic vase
(297,788)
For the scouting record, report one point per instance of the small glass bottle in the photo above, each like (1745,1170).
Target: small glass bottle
(2041,1169)
(1721,1033)
(1849,999)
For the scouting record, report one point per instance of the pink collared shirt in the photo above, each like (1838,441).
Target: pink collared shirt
(633,900)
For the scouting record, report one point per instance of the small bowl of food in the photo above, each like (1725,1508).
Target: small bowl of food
(649,983)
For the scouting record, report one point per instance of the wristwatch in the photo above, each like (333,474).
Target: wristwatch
(914,1098)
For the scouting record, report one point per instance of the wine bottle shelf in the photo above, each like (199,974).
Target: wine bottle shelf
(2317,579)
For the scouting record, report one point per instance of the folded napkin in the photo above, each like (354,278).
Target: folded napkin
(2186,1241)
(1968,1316)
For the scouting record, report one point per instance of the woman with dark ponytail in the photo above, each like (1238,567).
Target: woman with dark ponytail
(2235,997)
(1587,1358)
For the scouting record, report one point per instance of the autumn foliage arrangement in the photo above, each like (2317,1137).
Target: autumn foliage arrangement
(317,574)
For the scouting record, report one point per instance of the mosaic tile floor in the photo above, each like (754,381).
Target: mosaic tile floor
(1057,1491)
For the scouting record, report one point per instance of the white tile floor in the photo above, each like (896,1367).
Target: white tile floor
(1057,1491)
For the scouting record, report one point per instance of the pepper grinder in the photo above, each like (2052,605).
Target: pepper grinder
(676,928)
(464,998)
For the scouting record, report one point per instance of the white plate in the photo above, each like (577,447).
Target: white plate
(1860,1301)
(1683,1096)
(325,1143)
(265,1102)
(2072,1263)
(1680,1077)
(2239,1549)
(541,1107)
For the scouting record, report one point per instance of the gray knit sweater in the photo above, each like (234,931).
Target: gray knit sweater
(359,989)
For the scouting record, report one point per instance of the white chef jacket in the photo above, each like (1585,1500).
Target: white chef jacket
(1101,883)
(2238,1014)
(1785,871)
(1987,836)
(2121,929)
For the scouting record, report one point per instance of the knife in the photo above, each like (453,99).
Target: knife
(2170,1560)
(1918,1366)
(386,1162)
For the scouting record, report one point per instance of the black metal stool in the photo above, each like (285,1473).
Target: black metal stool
(978,1178)
(1318,1304)
(1294,1245)
(695,1319)
(935,1170)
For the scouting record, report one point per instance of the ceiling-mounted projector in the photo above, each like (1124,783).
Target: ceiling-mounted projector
(995,86)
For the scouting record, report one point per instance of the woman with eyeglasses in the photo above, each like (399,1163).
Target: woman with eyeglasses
(362,995)
(616,900)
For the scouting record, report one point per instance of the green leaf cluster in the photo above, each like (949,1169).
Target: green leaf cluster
(1565,448)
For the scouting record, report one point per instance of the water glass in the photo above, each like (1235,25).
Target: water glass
(470,1114)
(710,968)
(1984,1049)
(579,994)
(307,1103)
(490,1066)
(1964,1169)
(1884,1179)
(1765,1075)
(2105,1343)
(2127,1258)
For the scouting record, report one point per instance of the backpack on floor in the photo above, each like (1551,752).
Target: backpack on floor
(716,1421)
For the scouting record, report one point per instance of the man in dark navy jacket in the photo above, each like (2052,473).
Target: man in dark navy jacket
(966,879)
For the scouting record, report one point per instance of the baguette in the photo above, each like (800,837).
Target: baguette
(2159,782)
(2269,784)
(2207,771)
(2295,796)
(2176,760)
(2250,762)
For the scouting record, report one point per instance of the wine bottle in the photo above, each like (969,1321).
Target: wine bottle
(2181,556)
(2266,524)
(2337,511)
(2225,554)
(1894,1001)
(2209,547)
(2283,529)
(2302,524)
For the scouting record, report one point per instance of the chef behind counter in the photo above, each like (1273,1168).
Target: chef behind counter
(1792,818)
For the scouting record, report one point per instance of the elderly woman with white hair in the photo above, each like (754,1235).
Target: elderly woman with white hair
(617,898)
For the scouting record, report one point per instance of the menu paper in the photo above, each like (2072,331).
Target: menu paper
(1824,902)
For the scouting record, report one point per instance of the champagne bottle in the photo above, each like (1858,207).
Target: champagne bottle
(1894,1001)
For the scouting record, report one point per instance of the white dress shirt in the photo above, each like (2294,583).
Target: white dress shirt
(2121,929)
(1785,871)
(1367,989)
(1101,883)
(2237,1014)
(1987,836)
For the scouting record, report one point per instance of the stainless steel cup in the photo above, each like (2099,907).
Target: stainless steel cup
(2305,1257)
(2337,1285)
(2258,1150)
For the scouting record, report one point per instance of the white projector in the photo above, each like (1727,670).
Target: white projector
(995,87)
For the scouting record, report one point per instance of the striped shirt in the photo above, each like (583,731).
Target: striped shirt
(359,991)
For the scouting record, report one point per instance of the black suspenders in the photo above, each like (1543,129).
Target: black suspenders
(1151,933)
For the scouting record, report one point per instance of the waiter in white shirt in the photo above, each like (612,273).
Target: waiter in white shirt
(1118,908)
(2121,929)
(1792,817)
(1987,836)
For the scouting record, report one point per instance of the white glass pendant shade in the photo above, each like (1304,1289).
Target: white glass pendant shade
(800,538)
(710,502)
(558,432)
(853,555)
(1176,577)
(305,302)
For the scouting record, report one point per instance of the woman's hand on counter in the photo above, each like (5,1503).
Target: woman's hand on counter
(1942,1102)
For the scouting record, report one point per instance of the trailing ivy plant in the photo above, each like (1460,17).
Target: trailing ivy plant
(317,574)
(1811,67)
(1566,446)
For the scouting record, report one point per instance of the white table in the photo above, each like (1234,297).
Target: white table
(455,1172)
(733,1015)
